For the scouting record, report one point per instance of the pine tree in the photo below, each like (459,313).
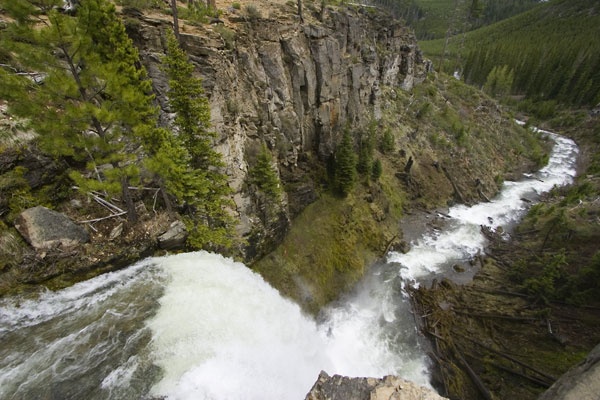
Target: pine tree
(387,142)
(376,170)
(365,150)
(264,176)
(345,165)
(90,98)
(205,190)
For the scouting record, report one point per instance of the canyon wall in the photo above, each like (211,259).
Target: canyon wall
(292,86)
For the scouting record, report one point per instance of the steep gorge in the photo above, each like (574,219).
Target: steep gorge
(295,87)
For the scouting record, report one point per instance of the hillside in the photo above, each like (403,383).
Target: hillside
(434,19)
(548,53)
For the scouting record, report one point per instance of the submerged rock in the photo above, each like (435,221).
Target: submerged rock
(43,229)
(390,387)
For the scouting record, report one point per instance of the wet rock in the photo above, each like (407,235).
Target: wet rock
(387,388)
(47,229)
(174,237)
(458,268)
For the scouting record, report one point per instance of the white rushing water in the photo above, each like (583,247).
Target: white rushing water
(461,238)
(201,326)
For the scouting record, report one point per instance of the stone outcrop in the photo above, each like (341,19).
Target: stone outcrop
(292,86)
(582,382)
(46,229)
(387,388)
(174,237)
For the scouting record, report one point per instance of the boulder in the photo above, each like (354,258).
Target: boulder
(174,237)
(390,387)
(45,229)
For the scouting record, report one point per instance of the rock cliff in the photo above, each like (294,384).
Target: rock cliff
(291,86)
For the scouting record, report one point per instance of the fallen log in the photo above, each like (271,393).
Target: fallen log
(508,357)
(474,377)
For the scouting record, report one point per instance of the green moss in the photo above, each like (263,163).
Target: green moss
(326,250)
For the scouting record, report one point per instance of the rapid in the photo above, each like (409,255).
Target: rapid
(202,326)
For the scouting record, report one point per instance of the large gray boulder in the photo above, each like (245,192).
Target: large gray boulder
(174,237)
(45,229)
(339,387)
(581,382)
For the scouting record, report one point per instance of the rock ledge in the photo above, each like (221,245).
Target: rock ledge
(390,387)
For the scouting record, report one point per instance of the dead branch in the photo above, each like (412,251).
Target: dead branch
(102,218)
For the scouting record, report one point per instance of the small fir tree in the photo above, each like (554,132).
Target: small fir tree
(387,142)
(345,165)
(264,175)
(376,170)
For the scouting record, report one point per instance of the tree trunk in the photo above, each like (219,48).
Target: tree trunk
(212,4)
(300,11)
(175,18)
(131,213)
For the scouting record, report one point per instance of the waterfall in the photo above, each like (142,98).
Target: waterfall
(202,326)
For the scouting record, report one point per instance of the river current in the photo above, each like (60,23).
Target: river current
(201,326)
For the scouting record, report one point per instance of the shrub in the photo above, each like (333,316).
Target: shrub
(228,36)
(252,12)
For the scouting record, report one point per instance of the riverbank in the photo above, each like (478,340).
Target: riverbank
(531,312)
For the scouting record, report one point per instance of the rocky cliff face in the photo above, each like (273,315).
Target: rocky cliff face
(292,86)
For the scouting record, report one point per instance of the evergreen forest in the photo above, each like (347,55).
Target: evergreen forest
(550,53)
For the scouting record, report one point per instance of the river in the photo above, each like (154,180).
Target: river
(201,326)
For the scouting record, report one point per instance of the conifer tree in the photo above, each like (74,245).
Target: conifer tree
(92,102)
(208,191)
(265,176)
(376,170)
(345,165)
(90,98)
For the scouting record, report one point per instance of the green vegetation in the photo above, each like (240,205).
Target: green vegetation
(252,12)
(345,165)
(559,60)
(433,19)
(499,81)
(88,96)
(326,250)
(141,4)
(203,188)
(264,175)
(78,83)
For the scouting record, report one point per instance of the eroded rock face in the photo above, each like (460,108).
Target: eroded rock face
(292,86)
(46,229)
(387,388)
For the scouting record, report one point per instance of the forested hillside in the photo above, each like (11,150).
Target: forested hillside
(549,53)
(433,19)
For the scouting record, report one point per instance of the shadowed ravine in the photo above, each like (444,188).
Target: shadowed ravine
(200,326)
